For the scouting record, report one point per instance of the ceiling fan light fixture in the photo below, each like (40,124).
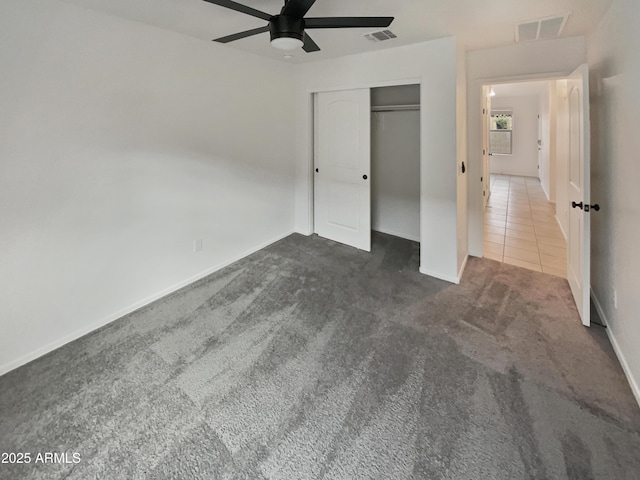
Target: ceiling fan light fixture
(286,43)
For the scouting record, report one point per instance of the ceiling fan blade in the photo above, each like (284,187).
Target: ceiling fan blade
(245,34)
(309,45)
(347,22)
(297,8)
(241,8)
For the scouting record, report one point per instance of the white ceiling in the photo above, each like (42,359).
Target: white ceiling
(521,89)
(476,23)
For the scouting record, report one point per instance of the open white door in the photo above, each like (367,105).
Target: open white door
(342,167)
(579,231)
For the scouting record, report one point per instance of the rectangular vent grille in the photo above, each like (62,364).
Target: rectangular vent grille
(381,36)
(541,29)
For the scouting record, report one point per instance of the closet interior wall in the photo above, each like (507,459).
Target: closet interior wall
(395,161)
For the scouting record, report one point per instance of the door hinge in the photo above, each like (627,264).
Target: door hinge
(484,152)
(481,178)
(484,111)
(484,194)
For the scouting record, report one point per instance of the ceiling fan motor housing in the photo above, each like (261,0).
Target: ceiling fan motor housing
(286,26)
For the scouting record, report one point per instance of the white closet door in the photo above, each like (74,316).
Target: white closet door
(579,236)
(342,167)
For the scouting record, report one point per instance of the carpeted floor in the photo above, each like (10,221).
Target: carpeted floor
(312,360)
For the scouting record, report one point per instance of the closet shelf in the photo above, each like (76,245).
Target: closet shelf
(394,108)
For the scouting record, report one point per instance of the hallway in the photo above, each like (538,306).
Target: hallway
(520,227)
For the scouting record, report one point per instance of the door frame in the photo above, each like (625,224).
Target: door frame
(486,154)
(311,122)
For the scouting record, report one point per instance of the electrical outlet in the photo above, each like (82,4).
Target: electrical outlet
(615,299)
(197,245)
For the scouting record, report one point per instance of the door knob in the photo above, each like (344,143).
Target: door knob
(576,205)
(365,177)
(595,207)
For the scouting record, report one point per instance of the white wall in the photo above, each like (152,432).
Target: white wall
(121,144)
(552,142)
(524,158)
(395,173)
(615,173)
(433,65)
(562,155)
(546,171)
(542,59)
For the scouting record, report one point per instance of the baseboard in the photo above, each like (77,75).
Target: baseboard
(635,387)
(462,267)
(564,234)
(306,233)
(546,194)
(23,360)
(446,278)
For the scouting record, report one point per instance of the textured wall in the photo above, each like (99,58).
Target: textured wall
(121,144)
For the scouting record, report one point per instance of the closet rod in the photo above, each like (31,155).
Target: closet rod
(394,108)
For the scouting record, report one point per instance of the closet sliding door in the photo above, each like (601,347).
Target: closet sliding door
(343,167)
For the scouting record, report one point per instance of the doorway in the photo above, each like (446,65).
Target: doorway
(367,164)
(564,177)
(395,161)
(520,227)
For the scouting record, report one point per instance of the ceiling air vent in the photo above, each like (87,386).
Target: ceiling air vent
(380,36)
(541,29)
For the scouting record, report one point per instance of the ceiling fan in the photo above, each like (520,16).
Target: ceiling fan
(288,27)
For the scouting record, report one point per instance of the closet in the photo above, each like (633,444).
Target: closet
(395,161)
(367,164)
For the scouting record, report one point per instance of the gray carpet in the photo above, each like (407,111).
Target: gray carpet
(311,360)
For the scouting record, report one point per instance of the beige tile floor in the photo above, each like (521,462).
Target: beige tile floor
(520,226)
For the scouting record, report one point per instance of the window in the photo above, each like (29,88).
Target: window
(501,132)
